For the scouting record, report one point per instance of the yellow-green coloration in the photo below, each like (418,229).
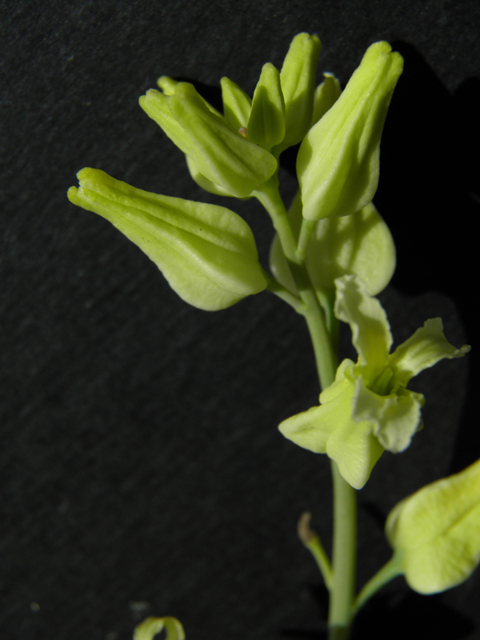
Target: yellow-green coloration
(338,160)
(206,252)
(360,244)
(368,408)
(297,78)
(266,125)
(149,628)
(435,532)
(219,153)
(325,96)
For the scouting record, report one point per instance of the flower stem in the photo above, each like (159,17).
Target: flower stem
(344,557)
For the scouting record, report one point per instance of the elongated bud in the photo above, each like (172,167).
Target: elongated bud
(338,160)
(220,154)
(266,125)
(236,104)
(298,76)
(206,252)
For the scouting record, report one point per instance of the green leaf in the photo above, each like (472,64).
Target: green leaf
(436,532)
(338,160)
(206,252)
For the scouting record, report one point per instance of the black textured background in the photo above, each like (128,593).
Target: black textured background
(141,471)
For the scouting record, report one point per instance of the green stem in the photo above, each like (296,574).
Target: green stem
(270,198)
(389,571)
(287,296)
(342,576)
(344,557)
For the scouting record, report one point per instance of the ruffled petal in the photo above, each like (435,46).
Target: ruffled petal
(371,334)
(330,429)
(395,417)
(422,350)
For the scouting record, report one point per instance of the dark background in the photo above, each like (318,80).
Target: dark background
(141,470)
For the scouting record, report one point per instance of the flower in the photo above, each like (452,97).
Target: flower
(338,160)
(368,408)
(206,252)
(435,533)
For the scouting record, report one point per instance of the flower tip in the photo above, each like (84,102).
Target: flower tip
(72,195)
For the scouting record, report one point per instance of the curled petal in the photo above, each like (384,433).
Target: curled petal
(423,349)
(371,334)
(395,417)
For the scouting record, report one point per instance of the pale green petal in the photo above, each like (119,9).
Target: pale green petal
(298,85)
(311,429)
(355,450)
(436,531)
(395,417)
(371,334)
(329,429)
(338,160)
(266,125)
(422,350)
(325,96)
(149,628)
(236,104)
(207,253)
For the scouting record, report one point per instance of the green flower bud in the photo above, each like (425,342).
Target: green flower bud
(237,104)
(206,252)
(326,94)
(151,626)
(338,160)
(435,532)
(219,153)
(266,125)
(298,77)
